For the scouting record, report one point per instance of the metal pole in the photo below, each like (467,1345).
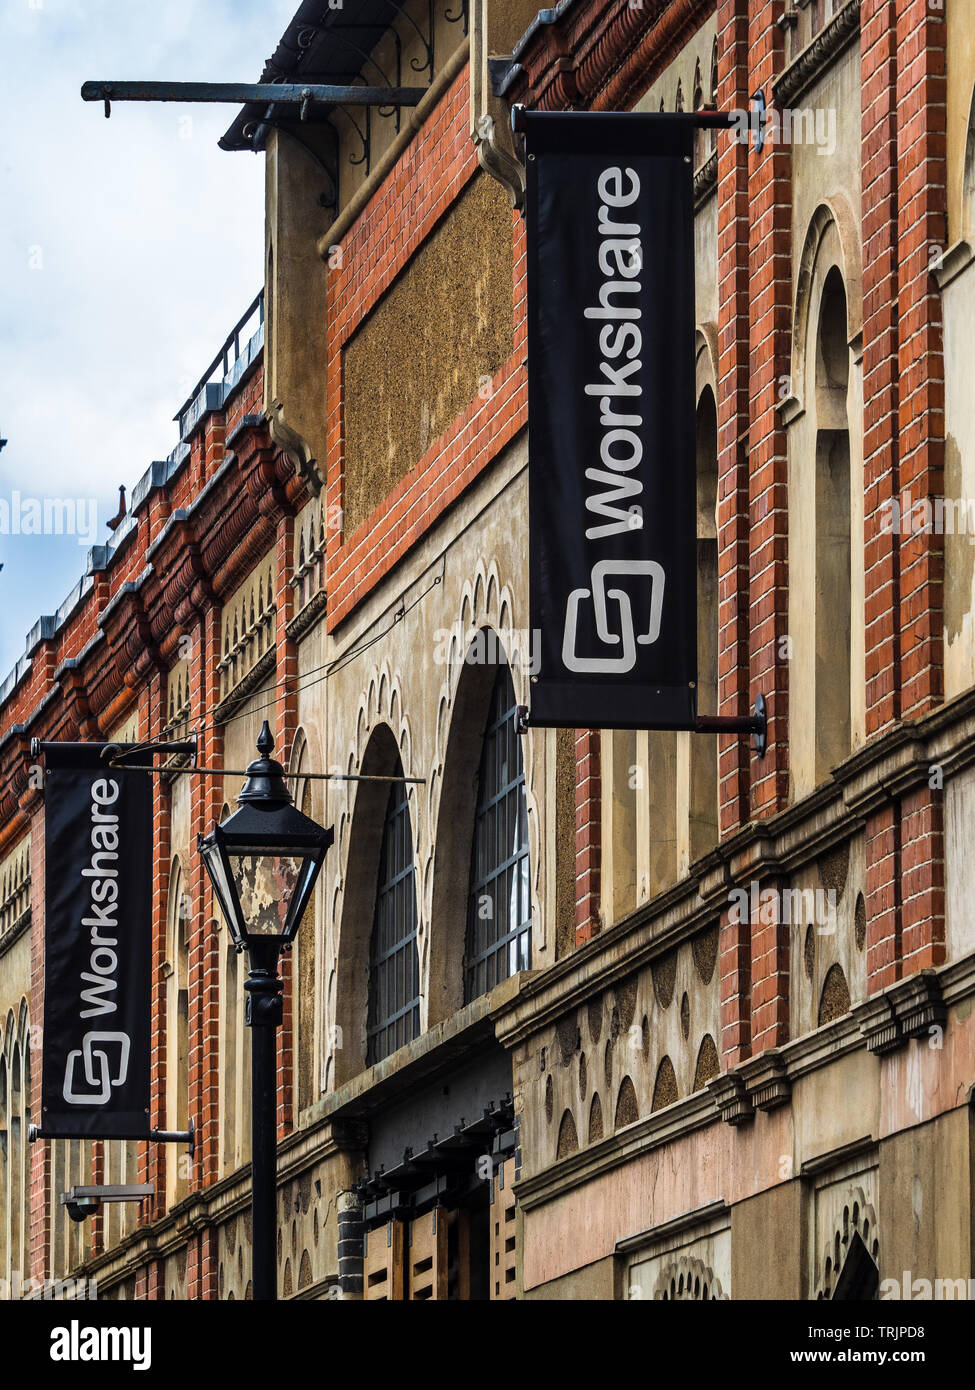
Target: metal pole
(301,94)
(264,1009)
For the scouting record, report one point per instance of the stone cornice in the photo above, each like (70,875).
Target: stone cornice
(706,180)
(14,933)
(780,845)
(861,1152)
(230,1196)
(303,622)
(762,1082)
(200,553)
(258,673)
(706,1220)
(824,49)
(909,1008)
(14,778)
(603,54)
(952,263)
(683,1117)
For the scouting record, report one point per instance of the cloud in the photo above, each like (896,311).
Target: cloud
(128,250)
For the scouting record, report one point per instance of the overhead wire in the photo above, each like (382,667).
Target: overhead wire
(301,682)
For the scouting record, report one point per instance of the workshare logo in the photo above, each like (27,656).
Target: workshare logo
(621,635)
(103,1059)
(78,1343)
(49,516)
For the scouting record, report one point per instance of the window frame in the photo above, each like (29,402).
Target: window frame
(396,885)
(479,978)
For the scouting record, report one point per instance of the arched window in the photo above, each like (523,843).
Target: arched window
(968,178)
(231,1056)
(703,801)
(4,1172)
(499,901)
(394,969)
(701,148)
(833,531)
(17,1136)
(177,1022)
(305,976)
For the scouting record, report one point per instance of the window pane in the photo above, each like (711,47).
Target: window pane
(499,940)
(394,1012)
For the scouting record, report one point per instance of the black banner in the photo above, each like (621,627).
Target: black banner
(613,580)
(97,945)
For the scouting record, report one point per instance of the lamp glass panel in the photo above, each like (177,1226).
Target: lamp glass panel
(266,884)
(309,869)
(216,867)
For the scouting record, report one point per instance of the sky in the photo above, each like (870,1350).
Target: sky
(129,248)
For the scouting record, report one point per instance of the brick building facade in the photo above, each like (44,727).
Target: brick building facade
(710,1012)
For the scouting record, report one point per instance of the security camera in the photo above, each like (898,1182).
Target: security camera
(81,1202)
(80,1210)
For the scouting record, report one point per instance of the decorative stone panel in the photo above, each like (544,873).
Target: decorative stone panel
(15,886)
(636,1046)
(248,626)
(823,909)
(308,576)
(178,700)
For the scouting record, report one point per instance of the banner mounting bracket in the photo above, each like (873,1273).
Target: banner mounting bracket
(151,1136)
(755,724)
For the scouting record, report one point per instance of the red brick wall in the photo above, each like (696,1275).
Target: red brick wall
(588,833)
(154,1157)
(878,44)
(39,1153)
(733,410)
(922,229)
(70,717)
(770,341)
(431,174)
(903,209)
(904,226)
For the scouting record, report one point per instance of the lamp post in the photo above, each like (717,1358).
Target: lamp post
(263,862)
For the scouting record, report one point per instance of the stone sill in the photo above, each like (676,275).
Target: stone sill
(432,1054)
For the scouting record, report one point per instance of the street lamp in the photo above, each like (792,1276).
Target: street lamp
(263,862)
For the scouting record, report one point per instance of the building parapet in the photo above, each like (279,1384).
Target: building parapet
(240,352)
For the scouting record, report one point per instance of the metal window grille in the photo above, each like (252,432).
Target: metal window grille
(499,902)
(394,973)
